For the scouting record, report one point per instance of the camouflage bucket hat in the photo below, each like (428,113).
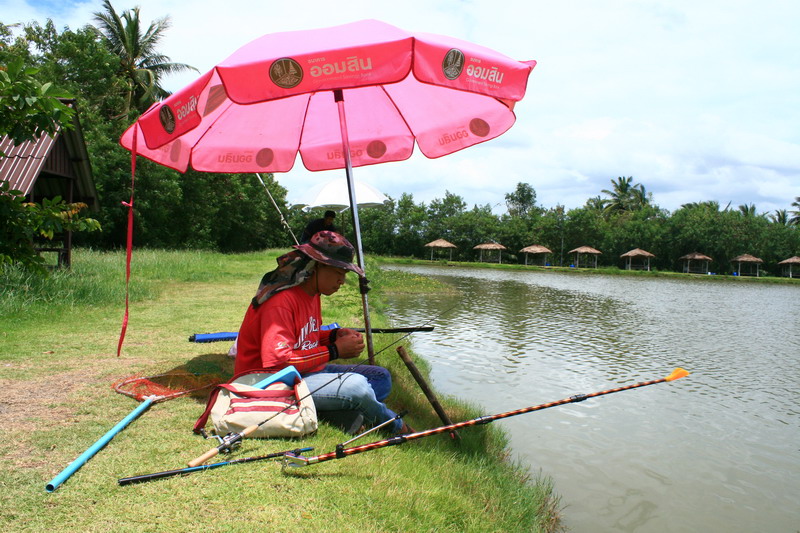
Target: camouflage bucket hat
(332,249)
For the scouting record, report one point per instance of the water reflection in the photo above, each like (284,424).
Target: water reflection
(714,452)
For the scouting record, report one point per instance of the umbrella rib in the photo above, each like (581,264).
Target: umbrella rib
(400,113)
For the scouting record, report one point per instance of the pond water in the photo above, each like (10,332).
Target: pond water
(716,451)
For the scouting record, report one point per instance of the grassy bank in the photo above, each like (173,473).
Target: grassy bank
(58,361)
(607,271)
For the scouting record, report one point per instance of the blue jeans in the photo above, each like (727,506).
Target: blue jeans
(379,378)
(334,388)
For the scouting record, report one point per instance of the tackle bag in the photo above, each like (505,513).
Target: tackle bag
(286,405)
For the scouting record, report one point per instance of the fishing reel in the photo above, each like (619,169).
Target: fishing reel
(228,443)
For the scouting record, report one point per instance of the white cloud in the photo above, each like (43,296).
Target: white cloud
(696,100)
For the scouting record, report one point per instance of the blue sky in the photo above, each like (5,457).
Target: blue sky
(697,100)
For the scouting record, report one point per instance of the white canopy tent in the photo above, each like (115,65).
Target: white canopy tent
(334,195)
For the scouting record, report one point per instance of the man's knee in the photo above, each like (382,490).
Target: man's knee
(356,386)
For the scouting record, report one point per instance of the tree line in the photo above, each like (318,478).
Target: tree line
(113,69)
(621,219)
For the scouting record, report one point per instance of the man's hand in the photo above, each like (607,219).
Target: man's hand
(349,343)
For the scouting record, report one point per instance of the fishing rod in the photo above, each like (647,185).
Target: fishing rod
(293,460)
(413,329)
(232,440)
(278,209)
(180,471)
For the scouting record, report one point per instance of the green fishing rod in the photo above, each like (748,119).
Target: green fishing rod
(294,460)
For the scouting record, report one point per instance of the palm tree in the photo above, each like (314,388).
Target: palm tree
(780,217)
(596,203)
(747,210)
(619,195)
(140,63)
(626,196)
(640,198)
(795,220)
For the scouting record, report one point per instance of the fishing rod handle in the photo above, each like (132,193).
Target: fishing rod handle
(227,444)
(197,461)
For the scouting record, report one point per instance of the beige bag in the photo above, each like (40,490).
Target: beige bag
(288,410)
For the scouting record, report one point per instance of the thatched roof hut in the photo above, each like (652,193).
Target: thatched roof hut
(491,246)
(536,249)
(441,243)
(701,263)
(637,253)
(787,265)
(587,251)
(746,258)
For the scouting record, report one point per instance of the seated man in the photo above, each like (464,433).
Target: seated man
(282,327)
(318,224)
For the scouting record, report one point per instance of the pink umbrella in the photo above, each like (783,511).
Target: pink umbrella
(343,97)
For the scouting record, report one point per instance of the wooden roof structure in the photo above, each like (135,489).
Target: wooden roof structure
(441,243)
(746,258)
(491,246)
(698,258)
(587,251)
(644,255)
(50,167)
(787,265)
(536,249)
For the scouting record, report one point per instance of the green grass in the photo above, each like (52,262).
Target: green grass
(607,271)
(58,342)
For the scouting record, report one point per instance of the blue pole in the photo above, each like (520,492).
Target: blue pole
(97,446)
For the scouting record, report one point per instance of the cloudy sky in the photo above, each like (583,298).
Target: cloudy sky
(695,99)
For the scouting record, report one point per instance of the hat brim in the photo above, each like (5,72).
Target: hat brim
(318,256)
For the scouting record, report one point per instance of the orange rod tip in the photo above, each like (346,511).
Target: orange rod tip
(678,373)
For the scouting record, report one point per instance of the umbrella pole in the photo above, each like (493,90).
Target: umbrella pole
(339,98)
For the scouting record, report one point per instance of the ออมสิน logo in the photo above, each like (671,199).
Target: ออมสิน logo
(453,63)
(169,119)
(286,73)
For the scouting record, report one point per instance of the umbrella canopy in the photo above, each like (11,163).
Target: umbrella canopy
(277,96)
(342,97)
(334,194)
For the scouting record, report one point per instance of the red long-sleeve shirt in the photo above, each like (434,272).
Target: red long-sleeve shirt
(284,331)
